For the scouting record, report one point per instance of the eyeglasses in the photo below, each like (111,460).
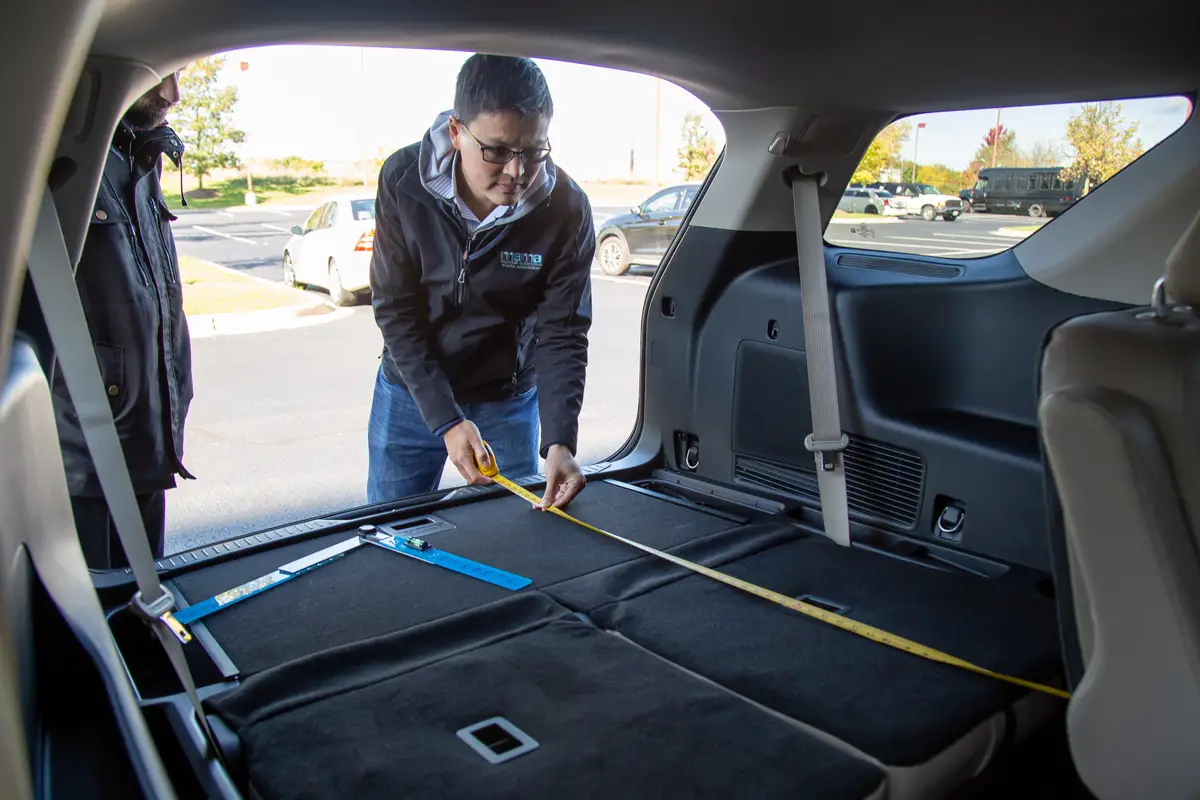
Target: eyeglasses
(502,155)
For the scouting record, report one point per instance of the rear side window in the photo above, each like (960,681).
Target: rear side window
(362,209)
(1026,166)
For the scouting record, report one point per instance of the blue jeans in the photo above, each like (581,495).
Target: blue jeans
(404,458)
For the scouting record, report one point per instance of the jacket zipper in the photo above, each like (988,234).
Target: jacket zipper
(136,243)
(460,290)
(516,358)
(172,274)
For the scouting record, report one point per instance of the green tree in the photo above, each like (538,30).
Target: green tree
(698,151)
(883,151)
(204,119)
(1103,143)
(941,177)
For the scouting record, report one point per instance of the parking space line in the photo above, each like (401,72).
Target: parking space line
(976,238)
(276,227)
(957,253)
(226,214)
(939,242)
(225,235)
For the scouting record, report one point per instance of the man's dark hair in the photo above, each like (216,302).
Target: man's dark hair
(489,84)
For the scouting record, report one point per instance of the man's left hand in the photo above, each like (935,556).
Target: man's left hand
(564,478)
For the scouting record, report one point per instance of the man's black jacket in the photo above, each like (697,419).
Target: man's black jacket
(128,279)
(488,316)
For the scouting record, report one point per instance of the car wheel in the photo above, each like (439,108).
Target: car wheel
(289,270)
(1037,210)
(337,292)
(928,213)
(872,210)
(613,256)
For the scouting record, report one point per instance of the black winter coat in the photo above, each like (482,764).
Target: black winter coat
(487,316)
(128,280)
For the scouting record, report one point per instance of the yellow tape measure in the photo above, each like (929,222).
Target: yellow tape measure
(492,471)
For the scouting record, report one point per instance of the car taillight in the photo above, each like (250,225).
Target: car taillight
(885,202)
(366,242)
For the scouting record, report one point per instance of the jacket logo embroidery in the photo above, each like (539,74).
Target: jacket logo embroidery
(514,260)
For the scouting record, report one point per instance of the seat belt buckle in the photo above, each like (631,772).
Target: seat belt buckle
(827,452)
(160,611)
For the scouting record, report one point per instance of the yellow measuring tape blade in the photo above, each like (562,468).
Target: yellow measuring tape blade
(837,620)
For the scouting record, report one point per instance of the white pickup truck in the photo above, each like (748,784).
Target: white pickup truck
(923,199)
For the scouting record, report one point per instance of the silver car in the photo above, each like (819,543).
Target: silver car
(869,201)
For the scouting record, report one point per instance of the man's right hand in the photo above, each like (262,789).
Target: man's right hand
(464,445)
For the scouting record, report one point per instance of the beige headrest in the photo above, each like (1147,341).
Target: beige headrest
(1183,267)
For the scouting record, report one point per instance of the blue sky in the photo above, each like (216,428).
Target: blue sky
(952,137)
(311,101)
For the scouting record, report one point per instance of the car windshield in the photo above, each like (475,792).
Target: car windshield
(362,209)
(925,188)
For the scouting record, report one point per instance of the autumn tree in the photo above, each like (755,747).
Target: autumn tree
(698,151)
(1041,154)
(204,119)
(1007,152)
(882,153)
(1103,143)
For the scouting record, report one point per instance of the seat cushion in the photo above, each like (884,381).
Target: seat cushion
(379,719)
(899,708)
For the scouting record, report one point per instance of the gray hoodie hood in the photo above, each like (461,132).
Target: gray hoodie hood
(437,159)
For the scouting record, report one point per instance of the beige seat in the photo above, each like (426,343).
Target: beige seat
(1120,417)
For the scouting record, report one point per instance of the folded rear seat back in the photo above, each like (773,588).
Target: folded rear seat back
(902,710)
(382,718)
(371,592)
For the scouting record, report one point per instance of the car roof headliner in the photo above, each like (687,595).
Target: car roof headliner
(752,54)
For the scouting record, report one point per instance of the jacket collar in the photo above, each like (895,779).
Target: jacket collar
(159,141)
(436,163)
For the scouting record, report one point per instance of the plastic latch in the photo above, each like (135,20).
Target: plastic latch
(497,740)
(159,610)
(827,452)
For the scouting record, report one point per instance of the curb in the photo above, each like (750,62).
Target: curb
(873,219)
(301,315)
(307,310)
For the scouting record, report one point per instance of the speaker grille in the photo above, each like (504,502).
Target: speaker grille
(883,481)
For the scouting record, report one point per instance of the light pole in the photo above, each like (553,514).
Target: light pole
(362,114)
(250,198)
(916,140)
(657,126)
(996,138)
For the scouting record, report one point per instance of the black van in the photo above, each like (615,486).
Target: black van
(1036,191)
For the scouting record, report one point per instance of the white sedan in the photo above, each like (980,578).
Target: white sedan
(333,249)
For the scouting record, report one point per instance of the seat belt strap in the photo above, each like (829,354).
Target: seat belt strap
(827,441)
(54,280)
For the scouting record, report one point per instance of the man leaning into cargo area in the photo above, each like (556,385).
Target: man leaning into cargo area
(128,280)
(481,287)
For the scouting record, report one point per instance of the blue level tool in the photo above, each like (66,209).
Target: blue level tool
(423,551)
(368,534)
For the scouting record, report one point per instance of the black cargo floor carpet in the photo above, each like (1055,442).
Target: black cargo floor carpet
(371,592)
(897,707)
(379,719)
